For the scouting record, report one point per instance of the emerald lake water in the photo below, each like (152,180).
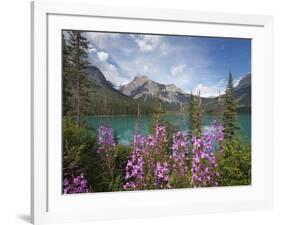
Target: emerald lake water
(124,126)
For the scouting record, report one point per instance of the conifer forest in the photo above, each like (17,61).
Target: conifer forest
(147,112)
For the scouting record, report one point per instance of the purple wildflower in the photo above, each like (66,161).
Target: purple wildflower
(106,142)
(161,175)
(179,153)
(75,185)
(214,137)
(204,165)
(135,166)
(160,134)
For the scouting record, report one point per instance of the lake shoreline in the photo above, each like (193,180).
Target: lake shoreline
(167,113)
(124,125)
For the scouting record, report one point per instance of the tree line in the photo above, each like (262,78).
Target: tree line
(227,113)
(235,162)
(80,96)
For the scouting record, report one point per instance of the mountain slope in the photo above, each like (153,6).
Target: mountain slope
(151,92)
(105,99)
(242,92)
(242,95)
(143,87)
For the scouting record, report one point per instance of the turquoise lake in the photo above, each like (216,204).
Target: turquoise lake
(124,126)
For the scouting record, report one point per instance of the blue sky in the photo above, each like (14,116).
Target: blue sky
(191,63)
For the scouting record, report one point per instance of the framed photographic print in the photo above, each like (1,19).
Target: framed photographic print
(145,112)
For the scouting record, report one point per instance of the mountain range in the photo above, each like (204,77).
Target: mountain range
(102,92)
(148,93)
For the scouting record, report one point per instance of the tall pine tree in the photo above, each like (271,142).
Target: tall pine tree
(66,74)
(195,115)
(191,114)
(76,83)
(229,112)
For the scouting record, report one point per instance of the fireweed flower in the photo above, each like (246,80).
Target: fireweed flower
(107,149)
(160,134)
(151,142)
(75,185)
(158,145)
(161,175)
(158,139)
(218,131)
(134,172)
(204,165)
(135,166)
(145,153)
(149,159)
(106,141)
(139,143)
(179,153)
(214,137)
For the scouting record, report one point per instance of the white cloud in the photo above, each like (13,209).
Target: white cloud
(103,56)
(236,82)
(147,43)
(176,69)
(145,68)
(109,70)
(111,73)
(129,57)
(182,81)
(99,42)
(92,49)
(208,91)
(102,40)
(164,49)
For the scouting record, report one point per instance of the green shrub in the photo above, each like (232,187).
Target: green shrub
(77,142)
(123,153)
(234,164)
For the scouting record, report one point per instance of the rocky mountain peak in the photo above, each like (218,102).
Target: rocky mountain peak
(143,87)
(173,88)
(143,77)
(244,82)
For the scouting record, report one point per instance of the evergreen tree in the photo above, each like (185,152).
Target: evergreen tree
(195,115)
(191,115)
(138,122)
(76,83)
(158,116)
(229,112)
(182,116)
(66,72)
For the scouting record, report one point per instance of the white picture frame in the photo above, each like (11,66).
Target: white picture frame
(48,205)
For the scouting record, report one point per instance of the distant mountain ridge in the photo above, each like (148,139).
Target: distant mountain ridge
(143,87)
(103,94)
(142,90)
(241,93)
